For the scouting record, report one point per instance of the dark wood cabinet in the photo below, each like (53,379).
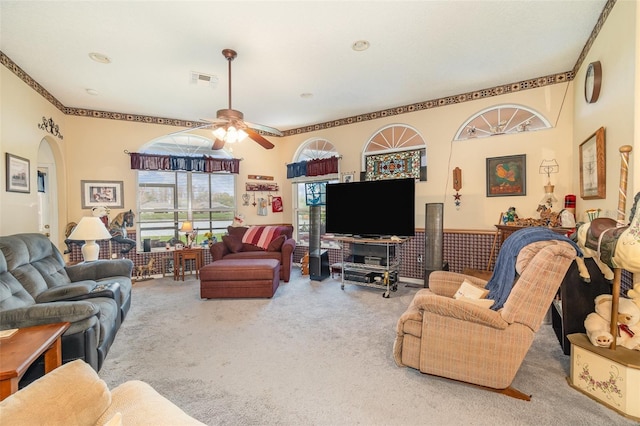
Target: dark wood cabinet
(575,300)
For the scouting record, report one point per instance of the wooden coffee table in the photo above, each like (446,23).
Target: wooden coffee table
(19,351)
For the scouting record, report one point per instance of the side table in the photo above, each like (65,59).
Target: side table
(180,259)
(19,351)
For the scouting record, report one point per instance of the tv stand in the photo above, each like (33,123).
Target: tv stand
(371,262)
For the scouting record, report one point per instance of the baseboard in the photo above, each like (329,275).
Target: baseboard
(411,281)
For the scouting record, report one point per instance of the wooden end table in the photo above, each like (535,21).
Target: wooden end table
(180,258)
(19,351)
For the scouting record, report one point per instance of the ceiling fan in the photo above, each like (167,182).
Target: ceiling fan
(229,125)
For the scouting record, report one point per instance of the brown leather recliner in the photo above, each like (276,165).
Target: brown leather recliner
(281,248)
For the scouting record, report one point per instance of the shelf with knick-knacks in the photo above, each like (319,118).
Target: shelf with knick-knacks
(261,186)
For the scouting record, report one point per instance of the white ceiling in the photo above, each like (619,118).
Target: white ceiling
(420,50)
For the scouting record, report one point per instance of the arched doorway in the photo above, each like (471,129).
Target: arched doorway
(47,192)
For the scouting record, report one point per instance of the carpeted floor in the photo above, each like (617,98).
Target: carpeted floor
(318,355)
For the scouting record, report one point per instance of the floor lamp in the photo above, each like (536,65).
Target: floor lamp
(90,229)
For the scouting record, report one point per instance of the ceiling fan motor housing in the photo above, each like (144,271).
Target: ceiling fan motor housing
(229,114)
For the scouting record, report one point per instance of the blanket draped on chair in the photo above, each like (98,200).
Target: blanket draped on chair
(501,281)
(261,236)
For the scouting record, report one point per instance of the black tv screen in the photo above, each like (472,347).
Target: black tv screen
(371,208)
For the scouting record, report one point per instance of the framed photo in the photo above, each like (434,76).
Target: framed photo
(593,184)
(507,176)
(347,177)
(102,193)
(18,174)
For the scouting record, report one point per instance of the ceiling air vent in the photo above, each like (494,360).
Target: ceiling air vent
(204,80)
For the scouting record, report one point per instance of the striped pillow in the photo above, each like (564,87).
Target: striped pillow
(261,236)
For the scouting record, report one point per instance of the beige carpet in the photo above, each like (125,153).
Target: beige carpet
(318,355)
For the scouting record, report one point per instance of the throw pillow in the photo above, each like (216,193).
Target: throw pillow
(471,291)
(237,232)
(276,244)
(234,244)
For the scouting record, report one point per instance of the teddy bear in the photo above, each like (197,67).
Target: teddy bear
(634,293)
(597,324)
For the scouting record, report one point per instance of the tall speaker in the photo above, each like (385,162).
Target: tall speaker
(318,258)
(433,239)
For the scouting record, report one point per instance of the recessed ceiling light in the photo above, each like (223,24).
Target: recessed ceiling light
(92,92)
(360,45)
(306,95)
(99,57)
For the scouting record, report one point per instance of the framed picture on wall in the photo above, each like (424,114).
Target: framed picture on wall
(507,176)
(18,174)
(593,184)
(102,193)
(347,177)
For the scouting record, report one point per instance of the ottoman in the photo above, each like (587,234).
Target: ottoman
(239,278)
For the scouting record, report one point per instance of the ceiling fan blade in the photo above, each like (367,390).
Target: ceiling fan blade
(215,120)
(217,144)
(259,138)
(202,126)
(263,128)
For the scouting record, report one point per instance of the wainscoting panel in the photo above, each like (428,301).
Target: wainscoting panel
(462,249)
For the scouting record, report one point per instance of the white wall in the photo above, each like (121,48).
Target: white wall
(93,148)
(21,110)
(616,47)
(438,127)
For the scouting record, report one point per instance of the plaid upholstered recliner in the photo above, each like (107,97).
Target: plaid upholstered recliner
(446,337)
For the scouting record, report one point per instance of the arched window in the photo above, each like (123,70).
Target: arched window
(316,148)
(395,151)
(166,199)
(502,120)
(183,144)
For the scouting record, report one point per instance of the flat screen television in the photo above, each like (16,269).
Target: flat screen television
(380,208)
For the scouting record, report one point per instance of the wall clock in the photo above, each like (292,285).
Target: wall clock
(592,82)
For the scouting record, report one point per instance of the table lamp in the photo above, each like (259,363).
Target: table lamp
(546,168)
(187,228)
(90,229)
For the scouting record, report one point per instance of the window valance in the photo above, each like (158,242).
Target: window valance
(316,167)
(204,164)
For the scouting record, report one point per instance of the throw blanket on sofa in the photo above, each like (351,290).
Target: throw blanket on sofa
(504,274)
(261,236)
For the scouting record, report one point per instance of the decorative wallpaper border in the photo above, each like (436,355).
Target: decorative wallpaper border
(429,104)
(439,102)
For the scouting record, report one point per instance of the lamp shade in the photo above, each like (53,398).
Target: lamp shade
(90,229)
(187,226)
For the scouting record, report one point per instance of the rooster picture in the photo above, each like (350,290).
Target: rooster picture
(506,173)
(505,176)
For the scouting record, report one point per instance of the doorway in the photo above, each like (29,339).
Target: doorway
(47,192)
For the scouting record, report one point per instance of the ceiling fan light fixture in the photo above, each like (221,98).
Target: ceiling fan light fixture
(230,134)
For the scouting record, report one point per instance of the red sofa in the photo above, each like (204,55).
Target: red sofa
(265,242)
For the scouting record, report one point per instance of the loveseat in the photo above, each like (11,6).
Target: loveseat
(37,288)
(74,395)
(258,242)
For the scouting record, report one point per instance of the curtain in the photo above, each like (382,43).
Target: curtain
(316,167)
(204,163)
